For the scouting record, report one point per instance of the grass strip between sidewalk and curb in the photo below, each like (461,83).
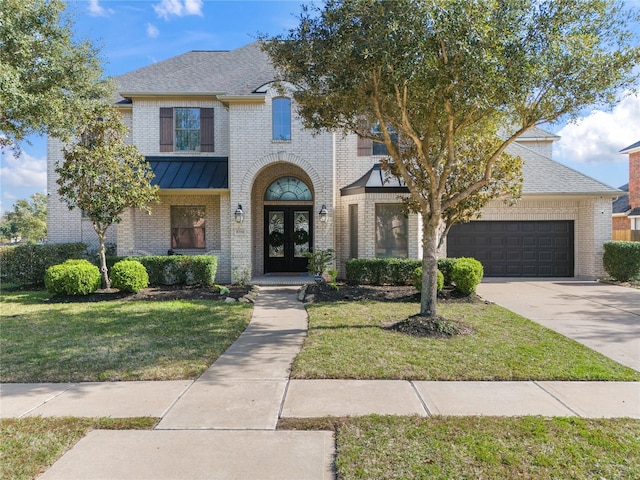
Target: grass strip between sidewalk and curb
(30,445)
(536,448)
(347,340)
(112,341)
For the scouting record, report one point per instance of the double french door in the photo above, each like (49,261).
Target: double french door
(288,235)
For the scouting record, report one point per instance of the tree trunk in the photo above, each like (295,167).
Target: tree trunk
(106,283)
(429,294)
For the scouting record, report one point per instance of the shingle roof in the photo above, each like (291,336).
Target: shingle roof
(375,181)
(630,147)
(536,133)
(544,176)
(234,72)
(189,172)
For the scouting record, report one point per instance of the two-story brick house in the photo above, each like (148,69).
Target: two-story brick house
(240,178)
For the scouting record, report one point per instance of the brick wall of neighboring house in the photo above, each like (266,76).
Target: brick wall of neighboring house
(621,223)
(634,179)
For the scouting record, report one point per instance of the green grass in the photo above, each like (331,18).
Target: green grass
(534,448)
(28,446)
(115,340)
(346,340)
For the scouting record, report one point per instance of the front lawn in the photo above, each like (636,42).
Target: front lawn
(30,445)
(347,340)
(443,448)
(43,341)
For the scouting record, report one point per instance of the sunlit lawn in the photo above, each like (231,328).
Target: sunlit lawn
(443,448)
(347,340)
(28,446)
(42,341)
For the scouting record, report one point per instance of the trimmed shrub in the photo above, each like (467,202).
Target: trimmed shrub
(73,277)
(381,271)
(445,265)
(180,269)
(26,265)
(622,260)
(417,279)
(129,276)
(467,274)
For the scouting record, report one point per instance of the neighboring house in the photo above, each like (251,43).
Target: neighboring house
(626,208)
(240,178)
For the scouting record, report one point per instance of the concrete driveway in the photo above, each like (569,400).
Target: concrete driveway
(603,317)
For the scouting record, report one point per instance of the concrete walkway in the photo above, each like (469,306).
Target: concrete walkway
(223,424)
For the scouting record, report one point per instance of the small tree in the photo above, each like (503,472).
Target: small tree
(448,85)
(46,77)
(27,220)
(102,175)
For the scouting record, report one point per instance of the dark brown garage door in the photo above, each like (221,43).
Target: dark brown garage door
(516,249)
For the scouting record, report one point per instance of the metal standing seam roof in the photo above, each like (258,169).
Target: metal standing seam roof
(190,172)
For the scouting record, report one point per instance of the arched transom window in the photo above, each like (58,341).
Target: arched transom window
(288,188)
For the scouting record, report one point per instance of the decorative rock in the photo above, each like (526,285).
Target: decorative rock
(229,300)
(310,298)
(244,300)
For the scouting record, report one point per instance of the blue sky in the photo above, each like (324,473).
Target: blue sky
(133,34)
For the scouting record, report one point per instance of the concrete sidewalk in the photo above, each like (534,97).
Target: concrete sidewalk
(223,424)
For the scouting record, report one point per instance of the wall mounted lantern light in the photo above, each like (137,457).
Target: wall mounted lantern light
(324,214)
(239,214)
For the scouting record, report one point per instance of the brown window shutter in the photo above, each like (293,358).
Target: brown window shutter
(365,147)
(166,129)
(206,130)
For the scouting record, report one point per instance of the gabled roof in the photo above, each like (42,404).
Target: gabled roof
(536,134)
(190,172)
(235,72)
(631,148)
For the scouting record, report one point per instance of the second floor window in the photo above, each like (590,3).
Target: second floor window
(187,128)
(281,108)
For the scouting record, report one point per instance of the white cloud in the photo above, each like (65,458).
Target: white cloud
(96,10)
(152,31)
(21,177)
(599,137)
(179,8)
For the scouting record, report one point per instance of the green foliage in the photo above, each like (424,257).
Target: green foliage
(622,260)
(180,269)
(103,175)
(467,273)
(25,265)
(381,271)
(73,277)
(417,279)
(319,260)
(445,265)
(129,276)
(47,78)
(27,220)
(333,278)
(451,84)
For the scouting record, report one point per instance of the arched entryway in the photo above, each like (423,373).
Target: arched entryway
(283,194)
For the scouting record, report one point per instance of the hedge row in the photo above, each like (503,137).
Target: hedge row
(381,271)
(25,265)
(180,269)
(622,260)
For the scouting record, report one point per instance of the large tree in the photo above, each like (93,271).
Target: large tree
(27,220)
(450,84)
(103,175)
(46,77)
